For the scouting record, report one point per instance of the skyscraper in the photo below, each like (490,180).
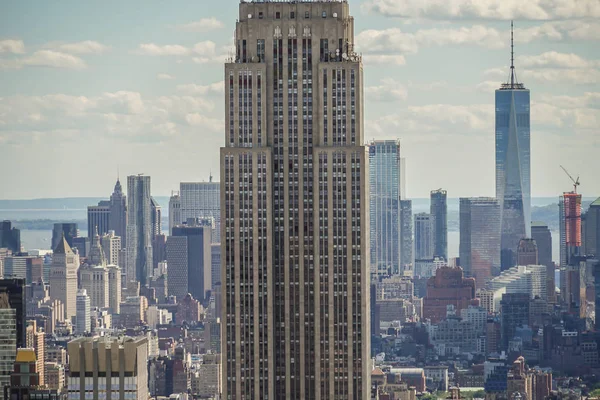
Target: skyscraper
(591,231)
(174,211)
(63,277)
(543,239)
(12,324)
(68,230)
(139,229)
(479,248)
(156,217)
(527,252)
(295,321)
(201,200)
(424,236)
(84,313)
(118,213)
(384,205)
(98,218)
(569,219)
(439,211)
(406,235)
(513,163)
(10,237)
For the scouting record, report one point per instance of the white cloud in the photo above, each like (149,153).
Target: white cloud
(193,89)
(84,47)
(388,90)
(12,46)
(553,59)
(203,25)
(580,76)
(164,77)
(52,59)
(152,49)
(485,9)
(375,59)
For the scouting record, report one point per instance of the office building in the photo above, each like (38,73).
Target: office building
(55,376)
(118,213)
(293,154)
(479,248)
(139,229)
(98,218)
(84,313)
(384,206)
(63,277)
(68,230)
(591,230)
(26,380)
(133,311)
(115,366)
(543,239)
(111,245)
(406,236)
(514,314)
(10,237)
(215,260)
(156,217)
(424,237)
(159,250)
(527,252)
(93,275)
(174,211)
(439,213)
(569,206)
(36,340)
(12,325)
(529,279)
(513,164)
(202,200)
(114,288)
(447,287)
(190,263)
(24,266)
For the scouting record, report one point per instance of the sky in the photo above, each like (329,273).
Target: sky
(94,89)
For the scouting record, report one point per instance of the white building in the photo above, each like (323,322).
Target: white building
(111,244)
(84,313)
(63,277)
(114,288)
(522,279)
(174,211)
(490,299)
(206,376)
(201,200)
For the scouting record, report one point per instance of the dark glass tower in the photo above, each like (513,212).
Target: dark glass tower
(439,212)
(513,164)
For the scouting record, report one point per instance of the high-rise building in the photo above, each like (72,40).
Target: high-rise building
(515,313)
(202,200)
(139,229)
(174,211)
(111,245)
(156,217)
(63,277)
(424,236)
(479,248)
(189,263)
(118,213)
(36,340)
(543,239)
(113,367)
(527,252)
(384,206)
(294,193)
(569,206)
(439,212)
(67,229)
(447,287)
(591,230)
(114,288)
(84,313)
(12,325)
(24,266)
(215,260)
(10,237)
(98,218)
(513,164)
(406,235)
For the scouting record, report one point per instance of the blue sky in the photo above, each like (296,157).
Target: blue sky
(87,88)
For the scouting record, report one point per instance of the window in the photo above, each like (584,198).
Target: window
(277,15)
(260,15)
(306,15)
(292,15)
(324,15)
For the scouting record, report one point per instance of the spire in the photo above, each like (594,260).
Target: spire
(63,247)
(96,256)
(512,55)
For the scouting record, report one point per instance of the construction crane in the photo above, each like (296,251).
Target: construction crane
(575,181)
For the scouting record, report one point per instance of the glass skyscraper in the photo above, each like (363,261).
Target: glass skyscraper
(384,201)
(513,164)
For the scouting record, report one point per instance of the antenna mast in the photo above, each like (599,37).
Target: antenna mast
(512,56)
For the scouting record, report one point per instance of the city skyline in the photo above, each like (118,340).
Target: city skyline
(81,85)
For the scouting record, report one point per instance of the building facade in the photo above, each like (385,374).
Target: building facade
(10,237)
(202,200)
(63,277)
(513,164)
(479,248)
(406,236)
(174,211)
(84,313)
(139,229)
(12,325)
(439,213)
(68,229)
(591,231)
(98,218)
(118,213)
(384,205)
(569,206)
(424,237)
(448,287)
(295,228)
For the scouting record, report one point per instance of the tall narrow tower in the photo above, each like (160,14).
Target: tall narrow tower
(294,192)
(139,229)
(513,163)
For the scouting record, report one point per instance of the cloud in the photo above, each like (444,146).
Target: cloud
(485,9)
(51,59)
(579,76)
(203,25)
(375,59)
(84,47)
(193,89)
(388,90)
(554,59)
(12,46)
(151,49)
(164,77)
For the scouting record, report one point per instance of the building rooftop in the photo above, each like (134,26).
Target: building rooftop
(25,355)
(63,247)
(596,202)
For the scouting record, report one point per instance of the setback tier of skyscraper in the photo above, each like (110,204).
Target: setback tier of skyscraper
(294,200)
